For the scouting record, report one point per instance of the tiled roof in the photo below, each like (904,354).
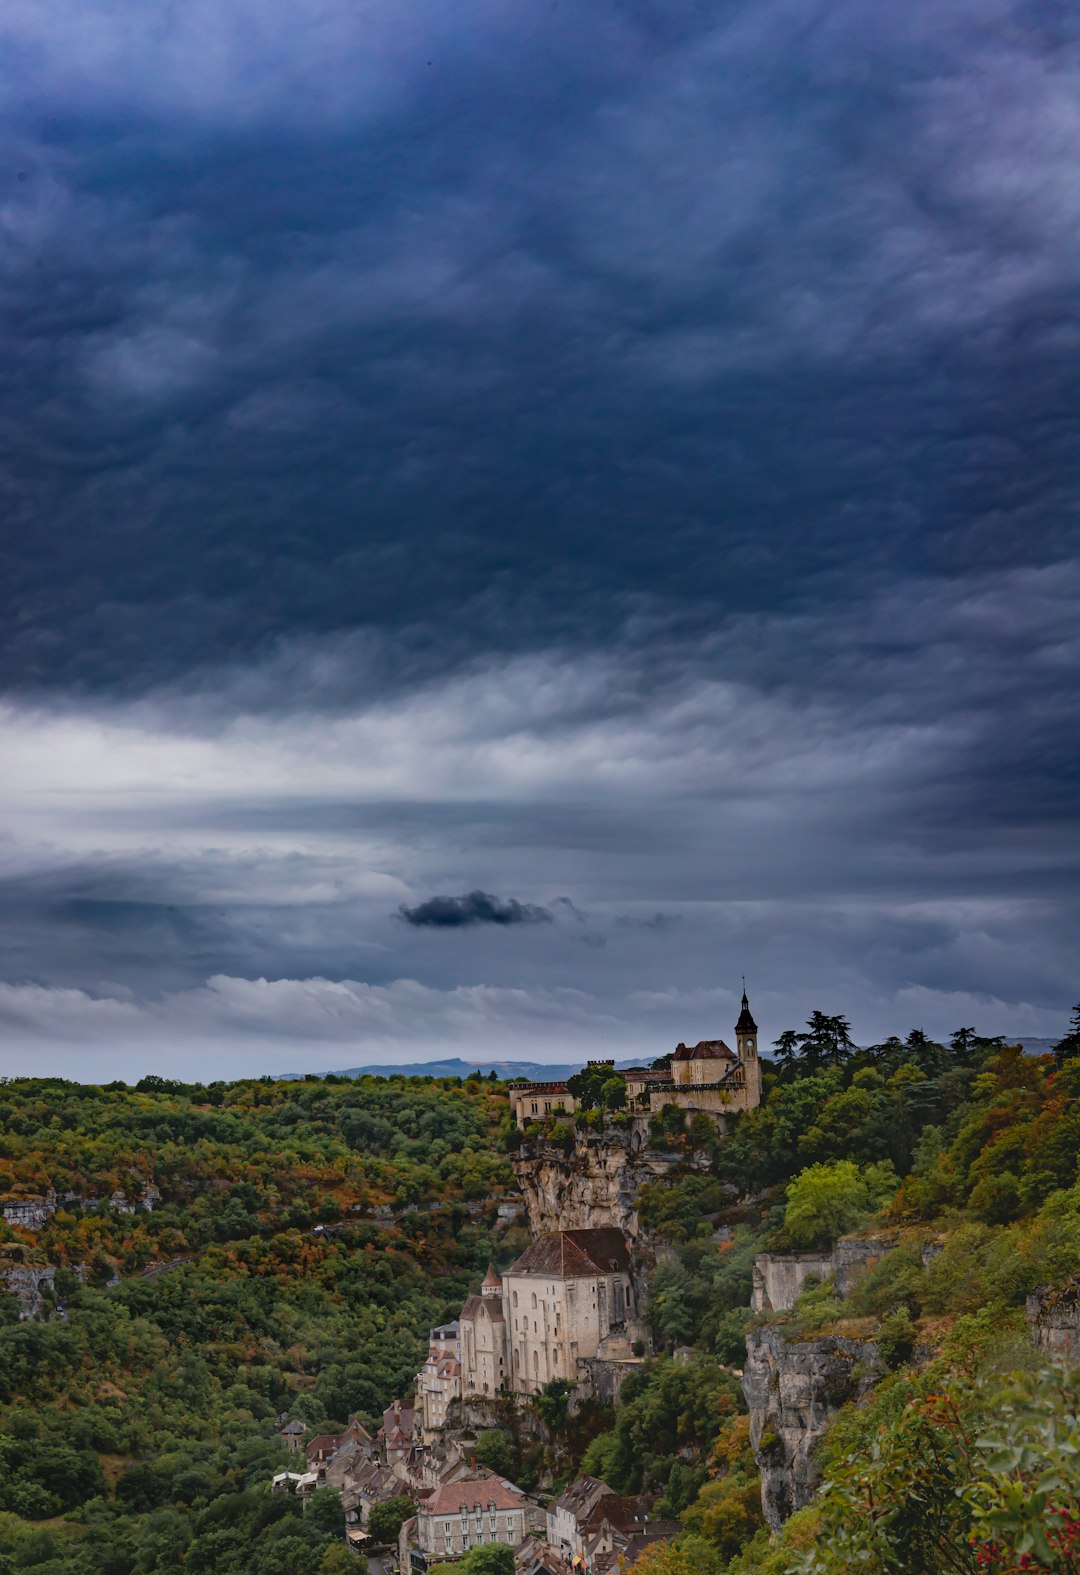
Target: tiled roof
(491,1278)
(628,1514)
(582,1494)
(489,1307)
(704,1050)
(449,1498)
(574,1254)
(746,1023)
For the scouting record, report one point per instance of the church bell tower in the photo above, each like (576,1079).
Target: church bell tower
(746,1040)
(746,1031)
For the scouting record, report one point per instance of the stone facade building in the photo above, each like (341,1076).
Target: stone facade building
(461,1515)
(569,1298)
(537,1101)
(593,1528)
(482,1340)
(708,1076)
(439,1380)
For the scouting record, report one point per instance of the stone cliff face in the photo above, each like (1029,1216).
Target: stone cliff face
(1053,1315)
(793,1387)
(593,1183)
(26,1285)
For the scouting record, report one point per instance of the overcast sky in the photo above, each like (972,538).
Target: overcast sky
(518,512)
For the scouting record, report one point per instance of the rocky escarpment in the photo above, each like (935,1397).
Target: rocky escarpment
(793,1387)
(593,1181)
(26,1285)
(779,1277)
(1053,1315)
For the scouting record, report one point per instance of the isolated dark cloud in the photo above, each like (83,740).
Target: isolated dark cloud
(476,907)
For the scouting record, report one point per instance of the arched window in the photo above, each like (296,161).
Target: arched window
(534,1299)
(515,1298)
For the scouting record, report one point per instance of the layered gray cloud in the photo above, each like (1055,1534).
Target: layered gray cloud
(623,453)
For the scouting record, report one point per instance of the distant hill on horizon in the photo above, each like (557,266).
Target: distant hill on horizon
(537,1071)
(454,1066)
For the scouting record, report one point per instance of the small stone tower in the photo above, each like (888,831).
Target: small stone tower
(491,1284)
(746,1040)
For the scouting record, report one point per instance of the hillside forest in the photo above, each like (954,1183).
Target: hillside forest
(230,1253)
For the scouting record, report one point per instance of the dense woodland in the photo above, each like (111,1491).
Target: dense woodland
(137,1422)
(309,1232)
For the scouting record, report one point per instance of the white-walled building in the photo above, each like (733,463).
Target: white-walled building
(482,1340)
(463,1515)
(568,1298)
(439,1380)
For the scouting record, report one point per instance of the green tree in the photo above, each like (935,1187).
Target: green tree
(324,1513)
(824,1201)
(552,1404)
(496,1449)
(613,1093)
(490,1558)
(598,1087)
(1069,1046)
(388,1517)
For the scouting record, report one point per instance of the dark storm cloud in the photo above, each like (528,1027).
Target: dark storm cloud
(476,907)
(502,332)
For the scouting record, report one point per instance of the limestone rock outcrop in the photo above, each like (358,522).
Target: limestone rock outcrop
(592,1182)
(793,1387)
(26,1285)
(1053,1315)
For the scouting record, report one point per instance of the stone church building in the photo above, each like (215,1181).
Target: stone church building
(568,1299)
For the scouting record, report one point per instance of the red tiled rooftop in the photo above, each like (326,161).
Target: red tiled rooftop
(575,1254)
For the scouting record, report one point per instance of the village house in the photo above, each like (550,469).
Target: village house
(535,1101)
(593,1527)
(536,1557)
(466,1514)
(320,1449)
(571,1510)
(439,1380)
(355,1446)
(292,1436)
(396,1433)
(367,1483)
